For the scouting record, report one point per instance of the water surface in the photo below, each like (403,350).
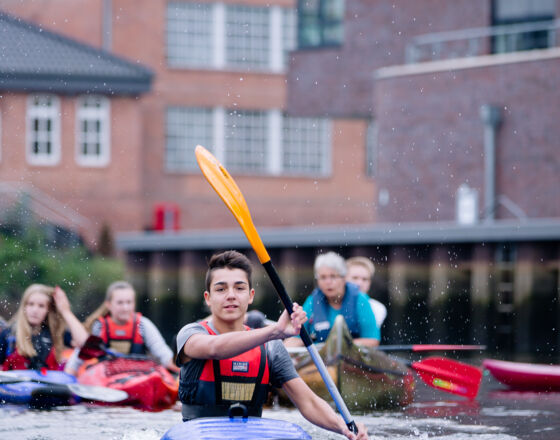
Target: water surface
(496,414)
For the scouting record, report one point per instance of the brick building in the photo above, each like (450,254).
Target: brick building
(222,85)
(69,119)
(461,103)
(421,134)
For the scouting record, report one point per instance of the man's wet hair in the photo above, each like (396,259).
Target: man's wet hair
(228,260)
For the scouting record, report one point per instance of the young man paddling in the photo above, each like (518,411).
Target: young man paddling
(223,363)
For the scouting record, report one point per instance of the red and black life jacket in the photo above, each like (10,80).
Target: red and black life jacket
(125,338)
(16,361)
(241,379)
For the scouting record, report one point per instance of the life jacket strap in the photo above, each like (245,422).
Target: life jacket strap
(190,412)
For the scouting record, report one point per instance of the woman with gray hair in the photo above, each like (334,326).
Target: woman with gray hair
(334,296)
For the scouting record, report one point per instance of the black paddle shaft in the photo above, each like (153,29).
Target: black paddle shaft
(286,300)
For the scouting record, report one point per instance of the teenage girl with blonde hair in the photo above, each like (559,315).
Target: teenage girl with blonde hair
(360,272)
(35,338)
(123,329)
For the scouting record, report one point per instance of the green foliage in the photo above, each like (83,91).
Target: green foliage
(30,257)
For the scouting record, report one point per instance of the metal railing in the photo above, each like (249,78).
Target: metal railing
(482,41)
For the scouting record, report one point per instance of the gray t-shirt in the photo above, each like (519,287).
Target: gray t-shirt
(280,365)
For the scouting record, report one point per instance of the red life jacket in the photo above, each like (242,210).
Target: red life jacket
(125,338)
(16,361)
(241,379)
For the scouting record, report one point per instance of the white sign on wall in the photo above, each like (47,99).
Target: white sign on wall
(467,205)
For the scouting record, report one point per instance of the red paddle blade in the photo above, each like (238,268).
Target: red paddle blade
(449,375)
(443,347)
(94,347)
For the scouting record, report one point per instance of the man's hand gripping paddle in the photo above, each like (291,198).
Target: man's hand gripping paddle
(231,195)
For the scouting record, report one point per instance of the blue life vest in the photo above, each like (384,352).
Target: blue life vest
(319,321)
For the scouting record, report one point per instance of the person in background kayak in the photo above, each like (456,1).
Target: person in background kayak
(125,330)
(36,337)
(360,272)
(224,363)
(332,297)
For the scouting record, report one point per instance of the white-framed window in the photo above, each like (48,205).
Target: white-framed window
(247,36)
(289,32)
(304,141)
(93,132)
(43,130)
(246,134)
(223,36)
(190,30)
(187,127)
(261,142)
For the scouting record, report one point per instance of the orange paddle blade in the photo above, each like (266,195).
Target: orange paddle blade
(449,375)
(229,192)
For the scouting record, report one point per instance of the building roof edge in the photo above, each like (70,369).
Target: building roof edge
(344,235)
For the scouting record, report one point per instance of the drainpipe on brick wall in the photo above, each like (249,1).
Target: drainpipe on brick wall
(491,116)
(107,25)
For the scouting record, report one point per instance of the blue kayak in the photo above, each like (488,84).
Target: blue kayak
(220,428)
(37,389)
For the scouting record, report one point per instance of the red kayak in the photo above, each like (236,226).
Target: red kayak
(149,385)
(524,376)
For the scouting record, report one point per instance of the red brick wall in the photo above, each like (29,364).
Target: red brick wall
(80,19)
(338,81)
(273,200)
(109,194)
(431,139)
(344,197)
(125,192)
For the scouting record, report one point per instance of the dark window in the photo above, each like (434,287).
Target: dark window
(320,23)
(506,253)
(518,12)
